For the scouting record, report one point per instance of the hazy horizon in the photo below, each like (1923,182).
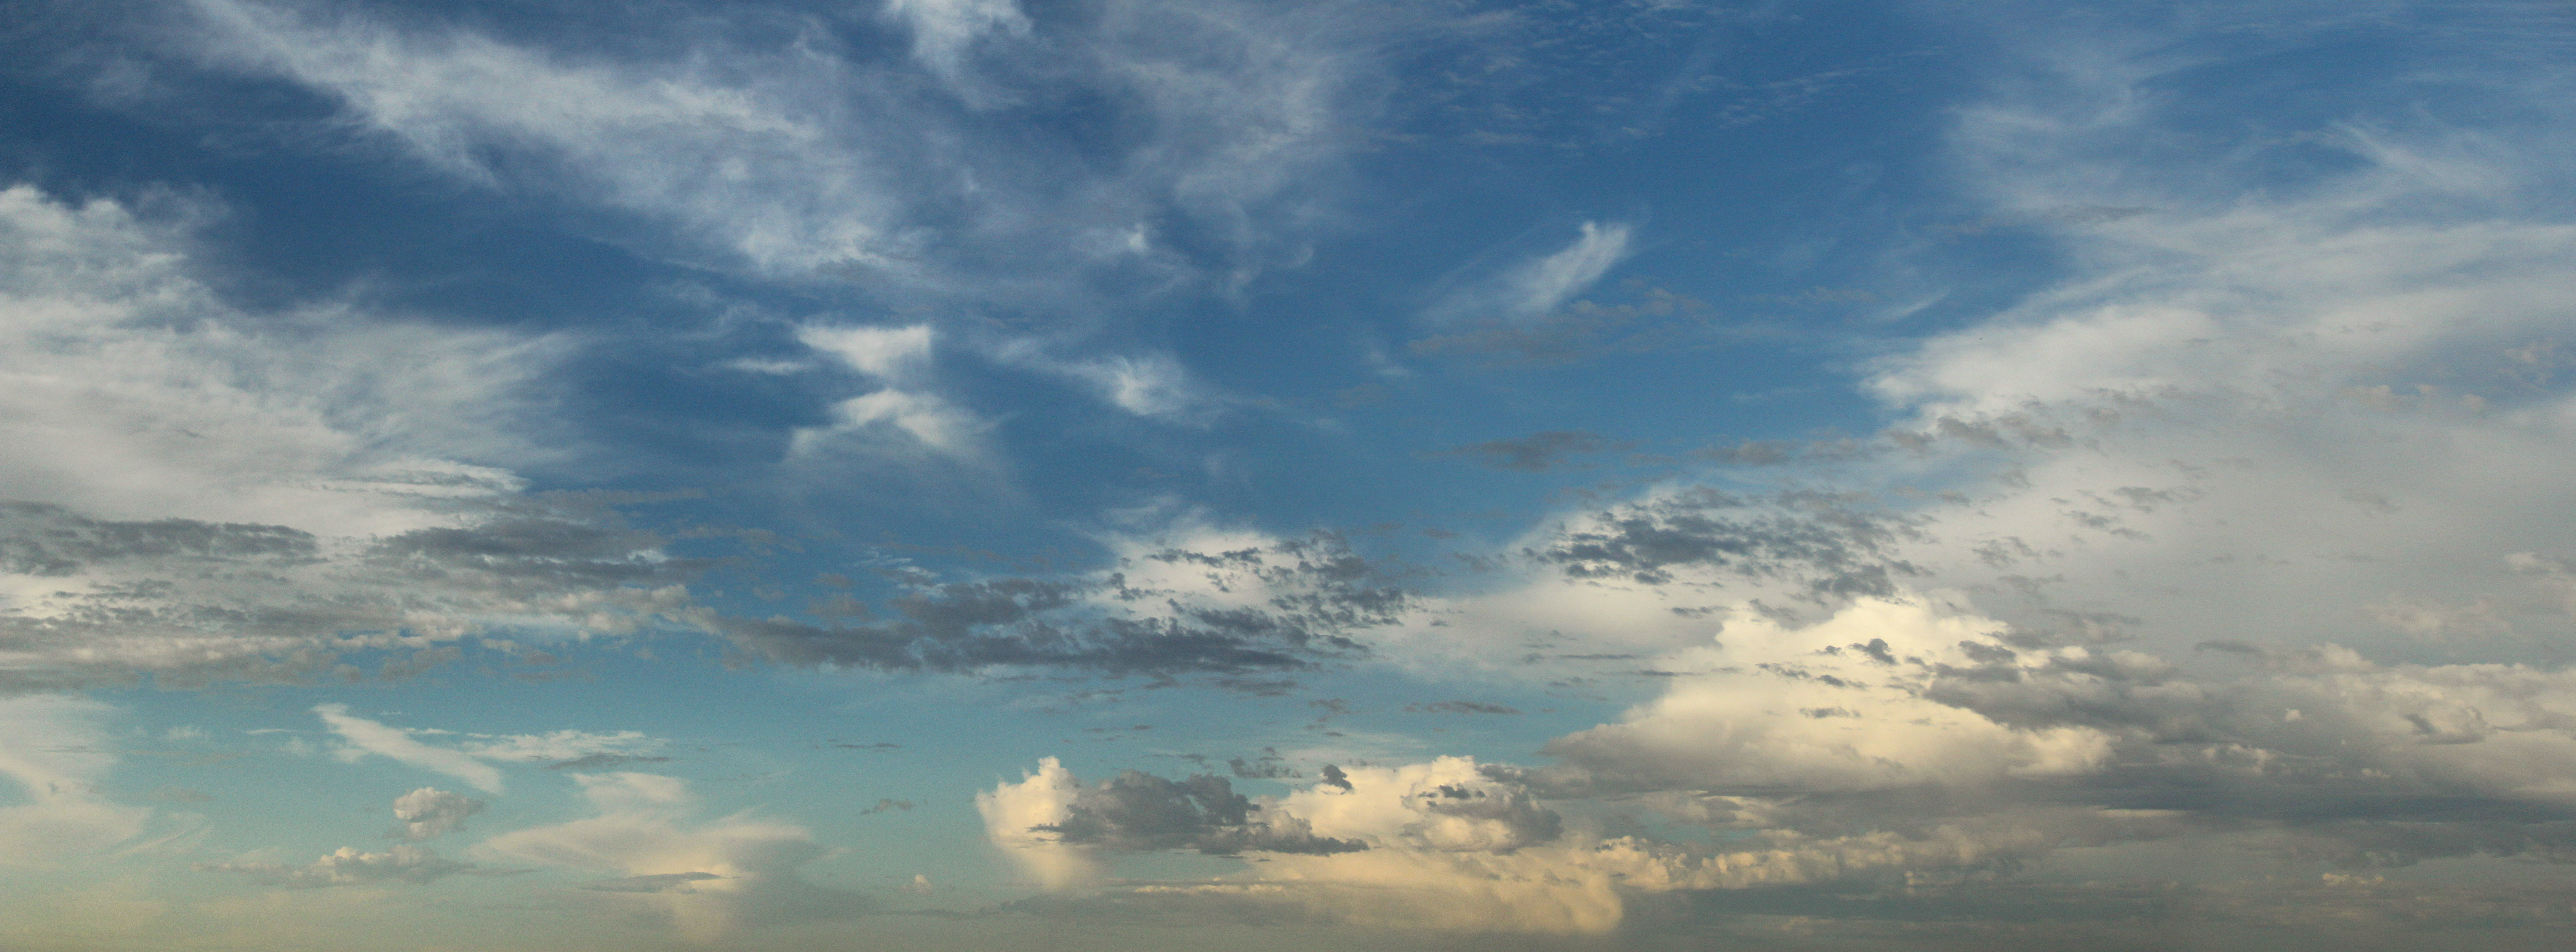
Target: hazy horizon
(1422,474)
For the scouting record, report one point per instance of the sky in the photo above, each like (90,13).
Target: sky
(1414,474)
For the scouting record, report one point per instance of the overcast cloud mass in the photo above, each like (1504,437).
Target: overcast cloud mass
(1139,474)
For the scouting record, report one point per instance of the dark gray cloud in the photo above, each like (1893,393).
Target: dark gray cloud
(1461,707)
(187,603)
(53,541)
(1139,811)
(1834,546)
(1536,453)
(1268,766)
(1334,777)
(1319,592)
(604,761)
(1631,317)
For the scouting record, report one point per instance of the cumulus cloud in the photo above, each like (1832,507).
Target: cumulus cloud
(1897,739)
(429,813)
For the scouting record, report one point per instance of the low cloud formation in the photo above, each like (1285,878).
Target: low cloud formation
(711,878)
(1899,739)
(429,813)
(55,751)
(1137,811)
(348,866)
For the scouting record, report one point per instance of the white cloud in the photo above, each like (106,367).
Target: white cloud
(56,750)
(711,878)
(134,392)
(1013,814)
(470,756)
(429,813)
(350,866)
(942,30)
(329,460)
(1539,285)
(1147,384)
(896,355)
(562,745)
(1839,705)
(798,163)
(364,737)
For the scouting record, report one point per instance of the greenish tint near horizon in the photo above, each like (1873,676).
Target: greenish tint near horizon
(1114,474)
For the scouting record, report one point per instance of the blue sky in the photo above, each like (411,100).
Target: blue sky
(955,474)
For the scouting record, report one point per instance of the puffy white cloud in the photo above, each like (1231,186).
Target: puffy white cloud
(1838,705)
(1017,817)
(429,813)
(1899,738)
(1447,804)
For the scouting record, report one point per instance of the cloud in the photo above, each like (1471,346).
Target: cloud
(942,30)
(1192,599)
(1017,817)
(1137,811)
(1898,739)
(1152,385)
(348,866)
(53,748)
(470,756)
(212,492)
(800,161)
(563,747)
(1461,707)
(663,882)
(711,878)
(1538,286)
(429,813)
(1832,544)
(365,737)
(1536,453)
